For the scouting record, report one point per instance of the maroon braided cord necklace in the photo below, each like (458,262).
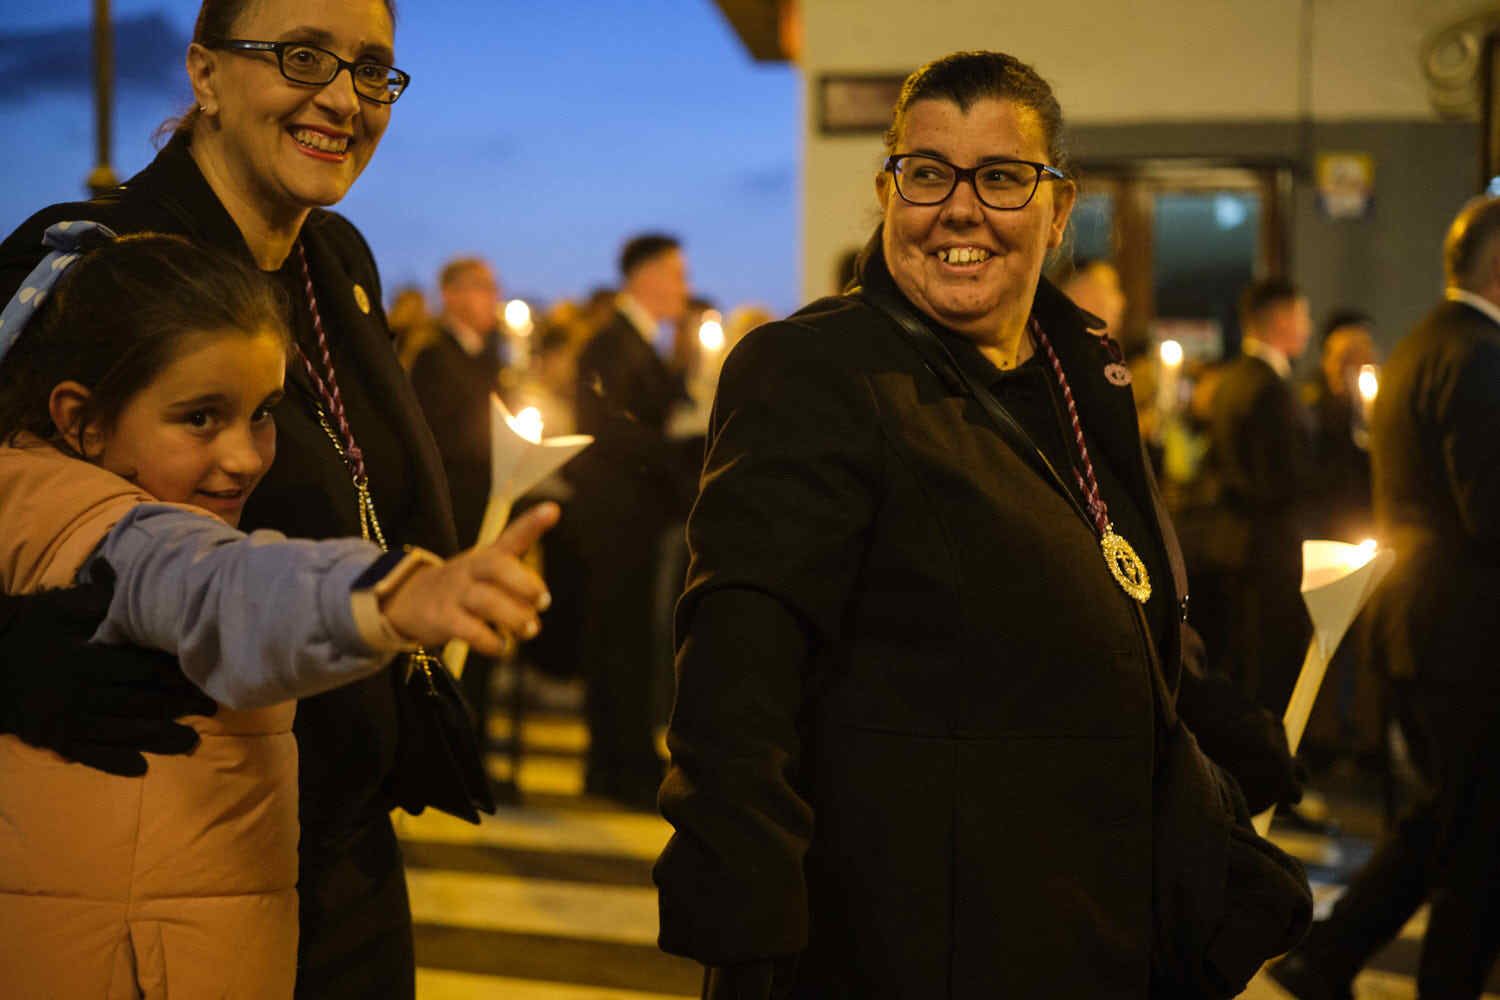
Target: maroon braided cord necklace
(1128,569)
(328,390)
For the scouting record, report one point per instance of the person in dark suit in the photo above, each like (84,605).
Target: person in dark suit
(912,746)
(1435,622)
(628,486)
(1258,456)
(276,136)
(454,377)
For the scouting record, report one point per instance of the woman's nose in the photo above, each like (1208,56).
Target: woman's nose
(963,204)
(339,96)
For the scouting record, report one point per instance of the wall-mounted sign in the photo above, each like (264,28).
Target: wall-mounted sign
(1346,185)
(857,103)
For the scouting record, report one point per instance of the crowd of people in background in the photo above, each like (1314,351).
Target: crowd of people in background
(846,511)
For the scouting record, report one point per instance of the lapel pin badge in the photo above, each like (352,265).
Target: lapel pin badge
(361,298)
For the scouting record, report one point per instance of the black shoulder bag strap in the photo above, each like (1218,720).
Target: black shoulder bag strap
(941,362)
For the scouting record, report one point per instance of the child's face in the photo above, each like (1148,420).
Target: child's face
(201,432)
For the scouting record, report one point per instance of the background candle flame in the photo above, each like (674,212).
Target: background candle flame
(518,317)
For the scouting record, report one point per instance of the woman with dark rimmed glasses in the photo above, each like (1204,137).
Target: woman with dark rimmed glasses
(292,98)
(912,747)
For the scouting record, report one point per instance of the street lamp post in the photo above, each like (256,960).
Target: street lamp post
(102,177)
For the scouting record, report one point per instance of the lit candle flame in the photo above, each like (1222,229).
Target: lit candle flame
(528,424)
(711,335)
(518,317)
(1171,353)
(1361,553)
(1368,382)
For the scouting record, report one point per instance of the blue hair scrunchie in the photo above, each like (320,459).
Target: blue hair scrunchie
(66,241)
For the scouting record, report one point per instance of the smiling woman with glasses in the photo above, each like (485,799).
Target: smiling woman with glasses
(291,101)
(932,598)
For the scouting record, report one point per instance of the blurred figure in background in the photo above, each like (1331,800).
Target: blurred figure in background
(691,356)
(411,324)
(1348,719)
(1258,454)
(1094,286)
(1342,508)
(1436,619)
(454,377)
(549,386)
(629,487)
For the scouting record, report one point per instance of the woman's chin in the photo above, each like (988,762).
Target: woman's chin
(316,191)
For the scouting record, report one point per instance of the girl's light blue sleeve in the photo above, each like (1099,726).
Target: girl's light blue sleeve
(254,619)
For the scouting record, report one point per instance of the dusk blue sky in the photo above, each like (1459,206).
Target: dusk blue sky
(539,135)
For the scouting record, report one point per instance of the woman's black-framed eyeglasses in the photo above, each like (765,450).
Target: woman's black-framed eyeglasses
(1007,185)
(308,64)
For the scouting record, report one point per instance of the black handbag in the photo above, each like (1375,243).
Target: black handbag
(1225,900)
(438,759)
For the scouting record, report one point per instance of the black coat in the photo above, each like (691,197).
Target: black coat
(1259,453)
(1342,505)
(1436,457)
(350,885)
(631,475)
(1260,461)
(913,740)
(454,388)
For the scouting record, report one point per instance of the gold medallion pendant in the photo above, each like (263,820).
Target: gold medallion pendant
(1129,571)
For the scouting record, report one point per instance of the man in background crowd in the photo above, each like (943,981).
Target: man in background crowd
(1258,454)
(629,485)
(454,376)
(1094,285)
(1436,618)
(1341,441)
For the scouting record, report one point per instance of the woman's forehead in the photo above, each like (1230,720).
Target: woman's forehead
(939,125)
(358,23)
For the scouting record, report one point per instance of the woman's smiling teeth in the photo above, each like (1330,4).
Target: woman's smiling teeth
(322,143)
(963,255)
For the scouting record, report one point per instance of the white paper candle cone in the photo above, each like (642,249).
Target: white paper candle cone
(1337,580)
(520,458)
